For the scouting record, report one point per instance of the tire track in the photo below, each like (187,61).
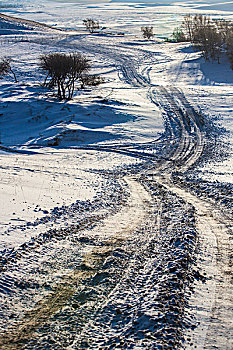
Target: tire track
(211,303)
(145,309)
(114,232)
(215,330)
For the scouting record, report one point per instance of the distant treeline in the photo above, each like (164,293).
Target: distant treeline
(211,37)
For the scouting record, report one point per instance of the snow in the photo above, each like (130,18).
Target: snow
(52,159)
(32,185)
(112,113)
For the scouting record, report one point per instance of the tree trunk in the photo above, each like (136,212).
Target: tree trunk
(59,90)
(16,81)
(63,91)
(72,90)
(44,83)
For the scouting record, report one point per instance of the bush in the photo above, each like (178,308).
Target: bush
(229,43)
(91,80)
(63,71)
(91,25)
(211,37)
(147,32)
(5,68)
(178,35)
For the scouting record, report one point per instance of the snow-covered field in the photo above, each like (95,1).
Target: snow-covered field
(69,177)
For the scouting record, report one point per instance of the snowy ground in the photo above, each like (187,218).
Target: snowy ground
(67,167)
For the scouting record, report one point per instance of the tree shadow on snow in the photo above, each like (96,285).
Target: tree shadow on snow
(212,72)
(217,73)
(28,118)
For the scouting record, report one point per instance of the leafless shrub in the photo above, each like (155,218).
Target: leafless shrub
(229,47)
(178,35)
(63,71)
(211,37)
(91,80)
(5,68)
(187,25)
(147,32)
(91,25)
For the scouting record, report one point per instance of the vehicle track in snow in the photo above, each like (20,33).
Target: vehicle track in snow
(111,237)
(187,127)
(212,301)
(215,329)
(146,309)
(119,290)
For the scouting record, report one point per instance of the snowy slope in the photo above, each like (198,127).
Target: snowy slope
(93,245)
(114,112)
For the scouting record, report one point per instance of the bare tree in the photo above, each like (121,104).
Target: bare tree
(224,27)
(5,68)
(91,25)
(211,37)
(147,32)
(63,71)
(205,35)
(229,45)
(187,26)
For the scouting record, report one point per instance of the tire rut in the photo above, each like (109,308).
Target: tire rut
(212,302)
(113,234)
